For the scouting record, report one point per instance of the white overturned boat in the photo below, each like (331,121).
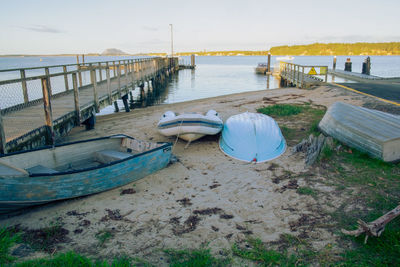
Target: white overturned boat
(190,126)
(252,137)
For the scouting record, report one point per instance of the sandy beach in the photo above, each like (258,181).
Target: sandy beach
(204,199)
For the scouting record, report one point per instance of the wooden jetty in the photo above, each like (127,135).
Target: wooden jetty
(302,76)
(41,108)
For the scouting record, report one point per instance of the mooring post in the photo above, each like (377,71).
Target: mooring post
(131,102)
(95,96)
(347,65)
(368,66)
(65,78)
(334,63)
(46,90)
(125,101)
(24,87)
(142,94)
(83,58)
(192,61)
(114,69)
(77,59)
(116,108)
(269,63)
(302,77)
(76,99)
(3,140)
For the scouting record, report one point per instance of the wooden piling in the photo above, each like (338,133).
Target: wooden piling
(76,99)
(46,90)
(116,108)
(24,87)
(334,63)
(192,61)
(125,101)
(269,63)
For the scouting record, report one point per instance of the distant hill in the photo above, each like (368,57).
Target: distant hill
(113,52)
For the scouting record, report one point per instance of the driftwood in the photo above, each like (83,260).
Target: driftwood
(312,147)
(374,228)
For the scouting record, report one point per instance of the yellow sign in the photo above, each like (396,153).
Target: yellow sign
(323,70)
(312,71)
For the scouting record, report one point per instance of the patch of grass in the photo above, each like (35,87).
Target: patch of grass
(257,252)
(381,251)
(326,153)
(72,259)
(7,240)
(197,257)
(281,110)
(103,236)
(307,191)
(287,132)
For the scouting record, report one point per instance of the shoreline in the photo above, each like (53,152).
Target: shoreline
(243,199)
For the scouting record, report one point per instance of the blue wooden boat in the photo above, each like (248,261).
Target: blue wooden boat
(76,169)
(252,137)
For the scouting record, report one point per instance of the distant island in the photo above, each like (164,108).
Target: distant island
(316,49)
(113,52)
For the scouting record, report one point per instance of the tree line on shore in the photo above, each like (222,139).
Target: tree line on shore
(316,49)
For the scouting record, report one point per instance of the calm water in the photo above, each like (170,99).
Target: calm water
(215,76)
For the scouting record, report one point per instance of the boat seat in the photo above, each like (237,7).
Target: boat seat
(40,169)
(7,170)
(108,156)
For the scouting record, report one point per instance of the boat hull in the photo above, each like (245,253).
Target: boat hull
(252,137)
(374,132)
(189,127)
(20,192)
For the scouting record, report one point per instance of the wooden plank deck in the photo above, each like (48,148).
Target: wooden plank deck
(28,123)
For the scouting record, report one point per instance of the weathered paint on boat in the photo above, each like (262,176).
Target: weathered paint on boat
(19,192)
(252,137)
(374,132)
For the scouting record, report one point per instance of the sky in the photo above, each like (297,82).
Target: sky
(142,26)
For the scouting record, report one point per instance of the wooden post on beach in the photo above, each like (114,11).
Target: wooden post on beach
(46,90)
(76,99)
(65,78)
(24,87)
(125,101)
(3,140)
(269,63)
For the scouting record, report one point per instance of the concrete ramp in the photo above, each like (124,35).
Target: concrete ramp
(374,132)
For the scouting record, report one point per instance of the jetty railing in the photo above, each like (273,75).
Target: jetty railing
(40,104)
(302,76)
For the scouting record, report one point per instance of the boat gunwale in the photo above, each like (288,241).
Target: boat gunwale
(163,146)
